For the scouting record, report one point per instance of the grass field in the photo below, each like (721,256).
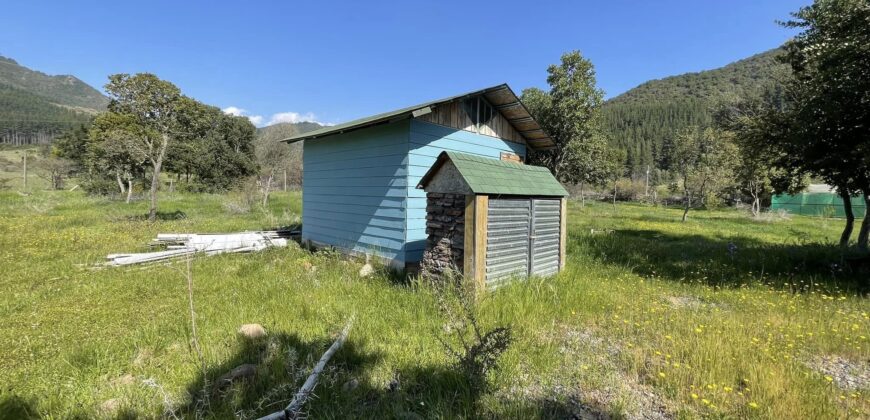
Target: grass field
(722,316)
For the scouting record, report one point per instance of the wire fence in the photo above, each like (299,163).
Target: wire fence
(816,204)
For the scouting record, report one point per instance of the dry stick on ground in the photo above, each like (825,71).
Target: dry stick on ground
(292,410)
(193,332)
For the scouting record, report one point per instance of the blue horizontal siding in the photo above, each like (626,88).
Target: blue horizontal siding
(355,190)
(370,162)
(427,141)
(343,199)
(366,152)
(371,211)
(392,171)
(352,221)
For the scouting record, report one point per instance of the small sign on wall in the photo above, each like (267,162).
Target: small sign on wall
(511,157)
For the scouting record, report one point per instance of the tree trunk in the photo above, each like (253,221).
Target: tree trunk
(756,201)
(155,177)
(267,188)
(129,190)
(120,182)
(864,233)
(688,201)
(850,217)
(582,196)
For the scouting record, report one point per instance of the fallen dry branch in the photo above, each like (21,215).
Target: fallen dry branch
(292,410)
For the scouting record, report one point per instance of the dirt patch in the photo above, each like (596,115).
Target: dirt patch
(846,374)
(607,393)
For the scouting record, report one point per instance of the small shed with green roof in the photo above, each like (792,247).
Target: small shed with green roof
(492,220)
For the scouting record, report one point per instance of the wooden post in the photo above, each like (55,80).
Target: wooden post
(468,246)
(563,232)
(24,176)
(285,180)
(481,207)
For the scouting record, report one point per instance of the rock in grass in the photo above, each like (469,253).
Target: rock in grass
(350,385)
(252,331)
(366,270)
(110,406)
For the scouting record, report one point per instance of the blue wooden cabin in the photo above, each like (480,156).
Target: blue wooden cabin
(359,181)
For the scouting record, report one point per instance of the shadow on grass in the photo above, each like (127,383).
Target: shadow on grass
(15,407)
(283,362)
(731,261)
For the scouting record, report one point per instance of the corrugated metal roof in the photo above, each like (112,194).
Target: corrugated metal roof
(501,97)
(492,176)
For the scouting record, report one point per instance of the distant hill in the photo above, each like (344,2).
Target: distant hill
(282,131)
(35,107)
(641,119)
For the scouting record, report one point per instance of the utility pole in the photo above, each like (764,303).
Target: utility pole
(646,186)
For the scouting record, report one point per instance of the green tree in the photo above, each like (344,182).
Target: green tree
(704,160)
(754,124)
(115,151)
(156,105)
(570,114)
(828,134)
(614,168)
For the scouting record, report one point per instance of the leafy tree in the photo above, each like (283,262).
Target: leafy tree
(115,151)
(753,123)
(614,168)
(570,114)
(155,105)
(73,144)
(214,151)
(704,160)
(827,120)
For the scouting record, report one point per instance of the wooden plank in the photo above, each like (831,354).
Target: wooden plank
(481,207)
(511,157)
(563,231)
(468,253)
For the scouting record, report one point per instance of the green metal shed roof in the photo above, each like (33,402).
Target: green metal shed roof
(492,176)
(501,96)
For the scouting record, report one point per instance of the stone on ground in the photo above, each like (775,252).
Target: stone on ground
(252,331)
(366,270)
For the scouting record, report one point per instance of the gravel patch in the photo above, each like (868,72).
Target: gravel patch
(846,374)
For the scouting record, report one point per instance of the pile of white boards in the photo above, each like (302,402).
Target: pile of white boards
(182,244)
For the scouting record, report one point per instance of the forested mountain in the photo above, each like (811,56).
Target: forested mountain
(282,131)
(36,107)
(640,120)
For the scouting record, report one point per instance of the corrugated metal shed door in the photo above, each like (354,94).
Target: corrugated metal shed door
(545,237)
(507,240)
(522,238)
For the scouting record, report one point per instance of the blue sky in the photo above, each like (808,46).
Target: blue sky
(336,61)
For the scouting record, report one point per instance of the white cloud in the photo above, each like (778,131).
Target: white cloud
(256,120)
(292,117)
(281,117)
(231,110)
(239,112)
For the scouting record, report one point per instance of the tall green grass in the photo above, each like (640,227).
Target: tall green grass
(721,316)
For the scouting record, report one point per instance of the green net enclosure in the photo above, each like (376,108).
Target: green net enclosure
(816,204)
